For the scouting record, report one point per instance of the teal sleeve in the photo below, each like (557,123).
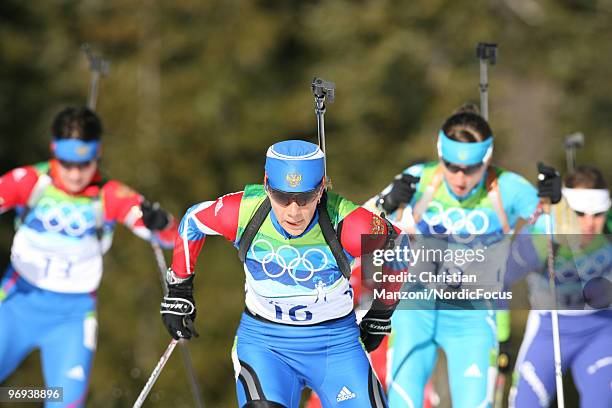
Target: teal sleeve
(519,197)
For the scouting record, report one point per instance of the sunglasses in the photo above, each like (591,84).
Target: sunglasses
(467,170)
(79,165)
(582,214)
(284,199)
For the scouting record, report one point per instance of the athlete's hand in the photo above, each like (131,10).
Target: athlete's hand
(374,326)
(503,358)
(402,190)
(153,216)
(178,309)
(549,183)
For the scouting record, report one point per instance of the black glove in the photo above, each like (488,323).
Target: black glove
(178,307)
(153,216)
(503,358)
(374,326)
(549,183)
(401,192)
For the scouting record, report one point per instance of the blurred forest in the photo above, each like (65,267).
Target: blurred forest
(197,91)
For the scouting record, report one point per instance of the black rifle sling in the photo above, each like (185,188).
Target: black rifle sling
(252,227)
(331,238)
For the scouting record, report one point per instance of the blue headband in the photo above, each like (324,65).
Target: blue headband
(464,153)
(294,166)
(74,150)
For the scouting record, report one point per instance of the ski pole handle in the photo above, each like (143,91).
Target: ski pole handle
(548,210)
(156,371)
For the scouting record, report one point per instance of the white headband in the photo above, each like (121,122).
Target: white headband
(587,200)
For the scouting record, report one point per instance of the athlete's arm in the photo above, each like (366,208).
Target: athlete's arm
(122,204)
(377,321)
(16,186)
(219,217)
(363,222)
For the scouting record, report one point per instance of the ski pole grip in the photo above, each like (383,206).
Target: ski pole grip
(322,89)
(487,52)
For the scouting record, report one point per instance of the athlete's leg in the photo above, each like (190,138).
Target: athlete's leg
(67,352)
(468,338)
(534,376)
(261,372)
(592,366)
(18,330)
(412,356)
(348,377)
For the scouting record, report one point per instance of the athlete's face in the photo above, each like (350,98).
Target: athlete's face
(293,217)
(592,224)
(462,179)
(76,176)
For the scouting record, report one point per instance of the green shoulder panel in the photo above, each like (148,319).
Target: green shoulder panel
(339,207)
(253,196)
(42,167)
(429,169)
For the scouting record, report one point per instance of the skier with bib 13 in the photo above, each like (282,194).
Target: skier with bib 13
(66,214)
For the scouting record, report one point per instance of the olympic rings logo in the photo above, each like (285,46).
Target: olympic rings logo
(288,259)
(456,221)
(64,216)
(585,267)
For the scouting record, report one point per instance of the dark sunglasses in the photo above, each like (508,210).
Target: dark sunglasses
(581,214)
(79,165)
(467,170)
(284,199)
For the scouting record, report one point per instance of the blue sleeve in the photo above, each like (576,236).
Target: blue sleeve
(519,197)
(523,258)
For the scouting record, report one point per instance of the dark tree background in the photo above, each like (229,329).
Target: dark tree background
(197,91)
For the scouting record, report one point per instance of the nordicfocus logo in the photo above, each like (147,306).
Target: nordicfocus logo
(345,394)
(288,259)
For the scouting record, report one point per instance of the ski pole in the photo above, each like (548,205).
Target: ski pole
(156,371)
(554,315)
(486,53)
(185,354)
(98,68)
(572,143)
(322,91)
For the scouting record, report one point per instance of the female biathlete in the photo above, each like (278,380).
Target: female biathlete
(583,275)
(461,195)
(66,214)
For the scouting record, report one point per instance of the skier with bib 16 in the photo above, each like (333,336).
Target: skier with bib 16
(296,242)
(66,214)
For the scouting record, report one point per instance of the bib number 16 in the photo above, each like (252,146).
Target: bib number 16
(296,313)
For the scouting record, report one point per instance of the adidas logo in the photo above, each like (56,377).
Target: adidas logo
(76,373)
(473,371)
(345,394)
